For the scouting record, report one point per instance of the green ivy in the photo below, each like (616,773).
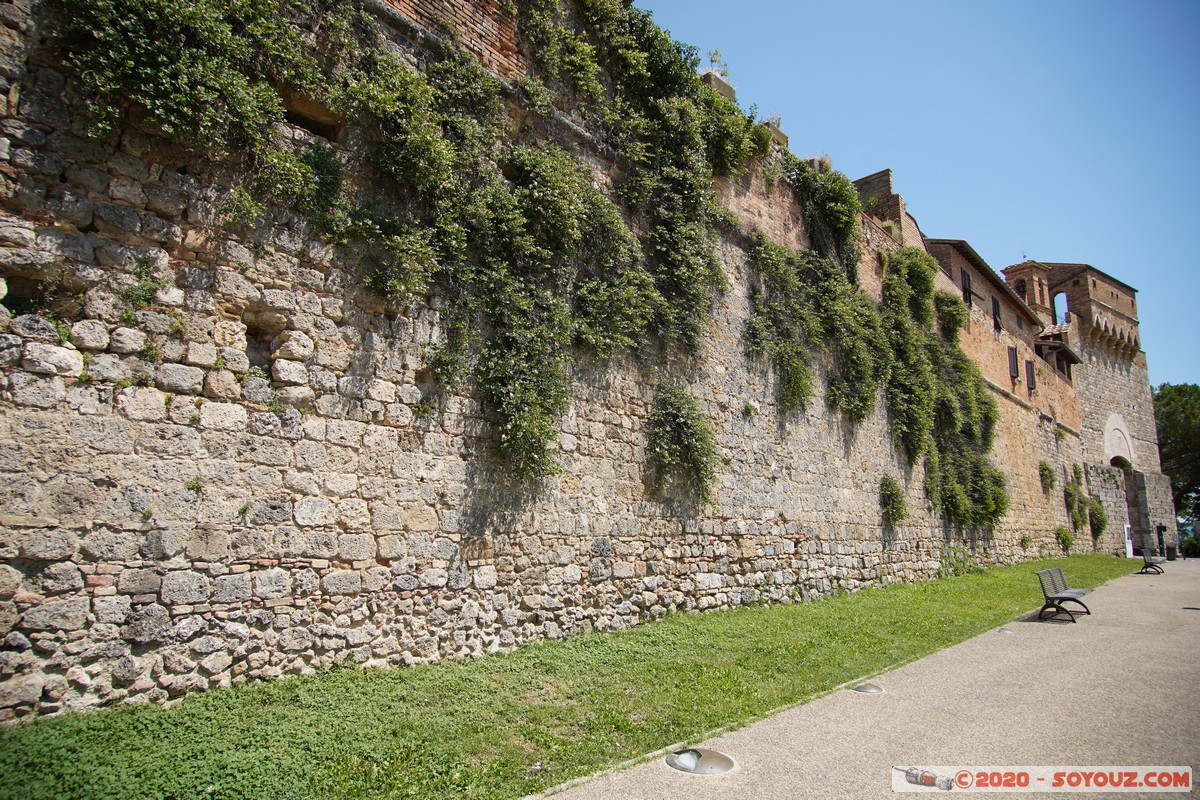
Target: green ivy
(1075,500)
(891,501)
(204,71)
(938,404)
(831,211)
(1065,538)
(1097,518)
(1046,476)
(952,314)
(908,312)
(803,305)
(681,449)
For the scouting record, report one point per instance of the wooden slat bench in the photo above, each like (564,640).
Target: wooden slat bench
(1152,565)
(1056,591)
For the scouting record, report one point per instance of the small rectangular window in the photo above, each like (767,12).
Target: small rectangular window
(1030,378)
(966,287)
(996,314)
(1014,371)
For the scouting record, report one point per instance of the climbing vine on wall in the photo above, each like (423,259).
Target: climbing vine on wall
(938,404)
(681,449)
(529,255)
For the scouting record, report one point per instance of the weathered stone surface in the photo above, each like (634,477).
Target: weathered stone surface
(180,379)
(222,385)
(289,372)
(356,546)
(59,615)
(8,620)
(184,588)
(34,328)
(52,360)
(143,403)
(314,511)
(235,360)
(21,690)
(139,581)
(10,581)
(223,416)
(231,588)
(110,545)
(270,584)
(44,544)
(61,578)
(36,391)
(127,340)
(113,609)
(148,624)
(342,581)
(292,345)
(89,334)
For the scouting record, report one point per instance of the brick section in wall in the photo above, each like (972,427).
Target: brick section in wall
(481,26)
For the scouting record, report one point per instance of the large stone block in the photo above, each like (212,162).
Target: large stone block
(180,378)
(314,511)
(271,584)
(232,588)
(356,547)
(293,346)
(184,587)
(143,404)
(342,581)
(223,417)
(48,359)
(37,391)
(148,623)
(139,581)
(61,615)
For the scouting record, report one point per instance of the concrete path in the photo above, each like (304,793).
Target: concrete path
(1118,688)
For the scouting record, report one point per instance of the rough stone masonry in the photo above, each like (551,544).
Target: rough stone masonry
(245,478)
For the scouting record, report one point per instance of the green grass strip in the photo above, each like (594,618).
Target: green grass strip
(511,725)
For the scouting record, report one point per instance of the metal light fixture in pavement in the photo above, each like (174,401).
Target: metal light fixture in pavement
(700,761)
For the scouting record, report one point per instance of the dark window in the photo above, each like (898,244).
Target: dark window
(966,287)
(996,314)
(1013,370)
(1020,324)
(1021,289)
(1030,378)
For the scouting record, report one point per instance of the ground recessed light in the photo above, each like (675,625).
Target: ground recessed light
(868,688)
(700,761)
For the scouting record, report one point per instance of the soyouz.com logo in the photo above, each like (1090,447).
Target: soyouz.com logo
(1041,779)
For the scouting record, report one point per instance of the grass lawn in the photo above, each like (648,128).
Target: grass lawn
(511,725)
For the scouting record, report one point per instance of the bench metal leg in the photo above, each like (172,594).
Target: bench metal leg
(1057,610)
(1151,569)
(1086,610)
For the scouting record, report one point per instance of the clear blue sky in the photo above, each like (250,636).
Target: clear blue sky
(1058,130)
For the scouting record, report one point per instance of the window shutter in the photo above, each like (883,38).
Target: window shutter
(1030,379)
(1013,370)
(996,314)
(966,287)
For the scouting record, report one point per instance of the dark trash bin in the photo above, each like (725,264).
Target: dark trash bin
(1170,552)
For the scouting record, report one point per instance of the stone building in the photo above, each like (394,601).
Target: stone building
(221,457)
(1119,436)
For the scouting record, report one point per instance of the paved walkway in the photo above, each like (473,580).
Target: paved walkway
(1118,688)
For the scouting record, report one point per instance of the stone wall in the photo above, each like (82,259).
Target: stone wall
(249,476)
(1108,485)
